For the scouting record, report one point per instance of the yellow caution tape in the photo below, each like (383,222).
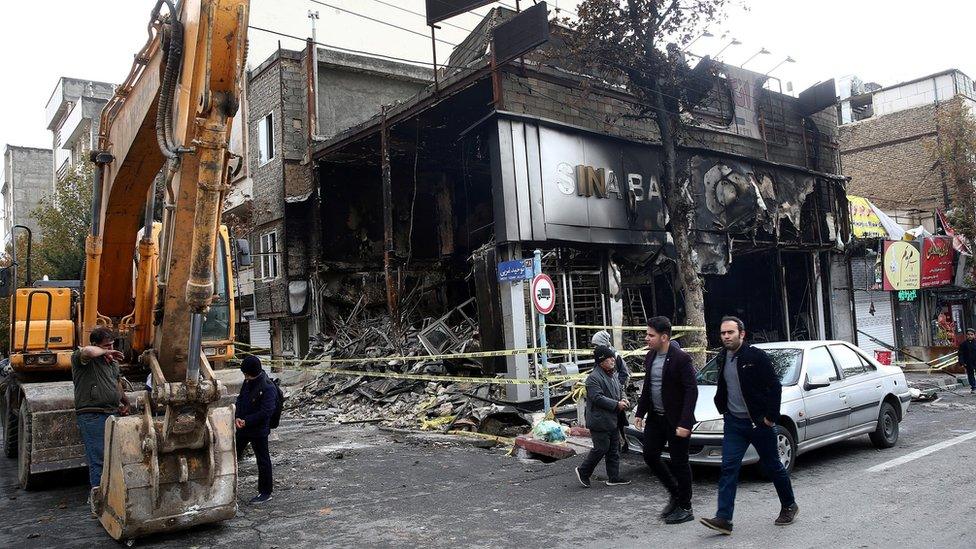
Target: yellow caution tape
(634,352)
(628,328)
(478,354)
(437,422)
(433,377)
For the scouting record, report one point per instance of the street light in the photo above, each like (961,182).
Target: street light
(778,65)
(734,42)
(706,34)
(763,51)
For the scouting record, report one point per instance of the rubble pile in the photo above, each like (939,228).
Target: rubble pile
(404,403)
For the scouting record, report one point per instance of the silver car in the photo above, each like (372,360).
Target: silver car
(832,391)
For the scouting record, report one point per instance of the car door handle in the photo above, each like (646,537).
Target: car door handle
(878,386)
(842,395)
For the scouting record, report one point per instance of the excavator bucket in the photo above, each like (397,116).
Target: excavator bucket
(148,488)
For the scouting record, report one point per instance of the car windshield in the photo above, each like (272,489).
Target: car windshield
(785,361)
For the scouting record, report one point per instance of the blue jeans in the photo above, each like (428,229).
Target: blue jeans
(739,433)
(92,427)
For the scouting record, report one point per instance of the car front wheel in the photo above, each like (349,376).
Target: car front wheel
(786,446)
(886,434)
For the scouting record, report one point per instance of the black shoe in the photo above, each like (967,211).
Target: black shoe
(787,515)
(718,524)
(679,515)
(584,481)
(259,499)
(669,508)
(618,482)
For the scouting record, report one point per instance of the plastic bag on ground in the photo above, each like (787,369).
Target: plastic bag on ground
(549,431)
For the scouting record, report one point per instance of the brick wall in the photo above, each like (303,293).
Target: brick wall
(584,105)
(277,87)
(889,159)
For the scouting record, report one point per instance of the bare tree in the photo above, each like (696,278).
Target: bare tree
(955,153)
(638,43)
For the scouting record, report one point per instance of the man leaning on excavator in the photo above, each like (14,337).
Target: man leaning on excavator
(98,394)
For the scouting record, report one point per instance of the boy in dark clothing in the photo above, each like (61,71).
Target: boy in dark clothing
(255,405)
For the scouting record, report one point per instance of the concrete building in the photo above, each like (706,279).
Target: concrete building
(887,138)
(428,197)
(27,178)
(281,127)
(73,114)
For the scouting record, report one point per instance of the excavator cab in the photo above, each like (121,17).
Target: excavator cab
(42,328)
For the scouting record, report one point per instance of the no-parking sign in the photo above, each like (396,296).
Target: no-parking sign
(543,294)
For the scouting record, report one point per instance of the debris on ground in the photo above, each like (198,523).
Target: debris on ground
(450,405)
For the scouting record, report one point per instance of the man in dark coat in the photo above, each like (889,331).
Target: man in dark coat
(255,406)
(668,400)
(604,401)
(748,396)
(967,357)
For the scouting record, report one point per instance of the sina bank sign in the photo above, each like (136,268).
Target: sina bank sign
(603,182)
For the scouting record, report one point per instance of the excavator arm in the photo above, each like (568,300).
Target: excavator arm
(171,117)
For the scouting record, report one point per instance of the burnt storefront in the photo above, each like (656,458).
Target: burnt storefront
(428,197)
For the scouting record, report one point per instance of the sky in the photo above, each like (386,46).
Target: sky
(884,41)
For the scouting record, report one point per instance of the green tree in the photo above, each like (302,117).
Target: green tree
(637,43)
(64,219)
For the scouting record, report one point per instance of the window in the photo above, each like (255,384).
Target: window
(269,256)
(849,361)
(266,139)
(820,365)
(786,362)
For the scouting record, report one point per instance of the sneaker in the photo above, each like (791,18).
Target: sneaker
(718,524)
(787,515)
(93,502)
(584,481)
(260,498)
(679,515)
(669,508)
(972,391)
(618,482)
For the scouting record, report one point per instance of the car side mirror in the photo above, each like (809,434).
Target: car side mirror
(817,382)
(243,252)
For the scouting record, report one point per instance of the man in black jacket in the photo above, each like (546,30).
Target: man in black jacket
(967,357)
(748,396)
(604,401)
(668,399)
(255,406)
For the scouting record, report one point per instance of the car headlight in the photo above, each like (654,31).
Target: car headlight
(712,426)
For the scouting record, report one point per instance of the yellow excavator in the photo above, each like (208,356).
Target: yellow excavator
(165,290)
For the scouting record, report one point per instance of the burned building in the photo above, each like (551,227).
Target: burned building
(430,195)
(290,107)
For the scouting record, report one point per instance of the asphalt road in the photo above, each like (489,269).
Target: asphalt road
(359,486)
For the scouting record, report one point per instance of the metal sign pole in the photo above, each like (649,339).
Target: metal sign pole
(541,335)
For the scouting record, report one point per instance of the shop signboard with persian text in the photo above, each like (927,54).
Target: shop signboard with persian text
(914,265)
(936,266)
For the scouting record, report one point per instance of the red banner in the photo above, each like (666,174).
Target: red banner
(937,255)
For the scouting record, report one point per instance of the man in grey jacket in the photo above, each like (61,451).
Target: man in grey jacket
(604,402)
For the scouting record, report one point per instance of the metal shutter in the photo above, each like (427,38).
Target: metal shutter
(880,325)
(260,332)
